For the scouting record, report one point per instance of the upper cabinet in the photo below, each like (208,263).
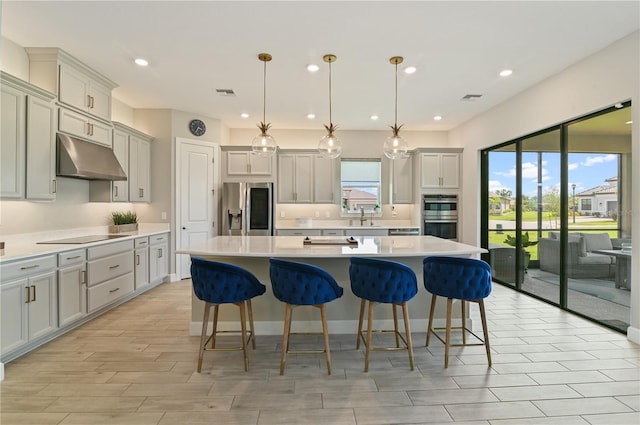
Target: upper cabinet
(306,177)
(324,180)
(295,178)
(27,144)
(132,148)
(240,164)
(401,180)
(440,169)
(77,86)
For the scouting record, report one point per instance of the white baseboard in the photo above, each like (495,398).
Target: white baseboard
(335,326)
(633,334)
(1,372)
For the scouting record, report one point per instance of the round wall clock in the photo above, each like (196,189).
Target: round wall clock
(197,127)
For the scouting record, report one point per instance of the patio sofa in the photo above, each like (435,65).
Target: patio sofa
(582,261)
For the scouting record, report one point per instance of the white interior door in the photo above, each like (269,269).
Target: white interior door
(196,208)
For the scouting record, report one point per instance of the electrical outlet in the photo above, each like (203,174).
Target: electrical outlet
(282,214)
(163,215)
(317,214)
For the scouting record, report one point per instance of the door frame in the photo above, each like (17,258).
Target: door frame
(180,142)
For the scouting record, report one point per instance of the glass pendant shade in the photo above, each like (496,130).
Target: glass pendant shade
(330,146)
(264,145)
(395,147)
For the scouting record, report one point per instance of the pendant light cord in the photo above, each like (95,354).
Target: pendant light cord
(264,93)
(395,119)
(330,121)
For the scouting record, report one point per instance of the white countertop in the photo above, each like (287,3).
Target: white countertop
(19,247)
(293,247)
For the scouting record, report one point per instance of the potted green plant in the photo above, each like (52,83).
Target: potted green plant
(124,221)
(526,242)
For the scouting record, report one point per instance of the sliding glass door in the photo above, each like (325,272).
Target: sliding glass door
(558,222)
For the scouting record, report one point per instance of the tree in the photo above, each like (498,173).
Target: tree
(551,204)
(505,193)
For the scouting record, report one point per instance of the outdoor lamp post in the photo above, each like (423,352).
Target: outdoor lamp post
(573,187)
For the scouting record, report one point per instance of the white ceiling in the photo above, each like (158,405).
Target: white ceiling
(197,47)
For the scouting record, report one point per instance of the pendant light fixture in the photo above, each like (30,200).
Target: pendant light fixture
(263,144)
(330,146)
(395,146)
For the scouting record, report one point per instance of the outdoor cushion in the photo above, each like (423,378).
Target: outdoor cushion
(596,241)
(591,258)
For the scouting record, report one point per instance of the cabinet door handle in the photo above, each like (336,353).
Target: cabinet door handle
(83,277)
(114,267)
(160,253)
(88,101)
(92,100)
(92,129)
(55,185)
(28,288)
(141,192)
(114,290)
(74,257)
(29,267)
(88,129)
(34,293)
(137,259)
(116,191)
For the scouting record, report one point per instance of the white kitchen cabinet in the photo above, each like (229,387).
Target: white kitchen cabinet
(72,286)
(295,178)
(28,301)
(158,257)
(141,262)
(77,85)
(324,180)
(245,163)
(366,231)
(139,169)
(402,181)
(110,273)
(299,232)
(27,144)
(83,126)
(440,170)
(135,161)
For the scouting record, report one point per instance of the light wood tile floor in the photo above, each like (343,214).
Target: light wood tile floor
(136,365)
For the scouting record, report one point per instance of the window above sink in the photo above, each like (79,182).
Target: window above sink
(360,186)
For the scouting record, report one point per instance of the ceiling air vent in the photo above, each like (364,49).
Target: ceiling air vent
(225,92)
(471,97)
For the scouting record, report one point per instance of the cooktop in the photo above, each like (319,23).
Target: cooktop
(83,239)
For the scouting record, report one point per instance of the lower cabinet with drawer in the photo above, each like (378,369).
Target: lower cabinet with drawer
(110,273)
(72,286)
(158,257)
(141,259)
(28,302)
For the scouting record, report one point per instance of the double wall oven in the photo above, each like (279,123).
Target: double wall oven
(440,216)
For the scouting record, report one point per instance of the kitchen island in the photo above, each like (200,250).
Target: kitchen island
(332,254)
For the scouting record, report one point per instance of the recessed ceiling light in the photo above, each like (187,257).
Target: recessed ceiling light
(141,62)
(244,115)
(629,122)
(437,117)
(410,70)
(506,72)
(311,116)
(374,117)
(312,67)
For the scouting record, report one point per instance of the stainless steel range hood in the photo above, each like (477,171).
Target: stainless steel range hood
(80,159)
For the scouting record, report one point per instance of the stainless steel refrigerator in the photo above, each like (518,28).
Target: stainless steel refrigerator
(247,209)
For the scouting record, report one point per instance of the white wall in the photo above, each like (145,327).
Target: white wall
(14,59)
(601,80)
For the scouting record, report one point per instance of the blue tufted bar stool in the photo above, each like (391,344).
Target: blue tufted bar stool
(464,279)
(220,283)
(382,281)
(300,284)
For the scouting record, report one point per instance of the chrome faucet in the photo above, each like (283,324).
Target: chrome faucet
(362,218)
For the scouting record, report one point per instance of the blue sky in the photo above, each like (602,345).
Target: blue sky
(585,170)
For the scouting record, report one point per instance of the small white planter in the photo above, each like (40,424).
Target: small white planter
(120,228)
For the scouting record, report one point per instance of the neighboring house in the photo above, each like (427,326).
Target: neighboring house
(354,199)
(499,204)
(600,200)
